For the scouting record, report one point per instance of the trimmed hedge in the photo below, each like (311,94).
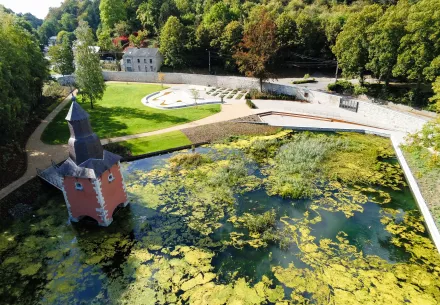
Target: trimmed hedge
(304,81)
(251,104)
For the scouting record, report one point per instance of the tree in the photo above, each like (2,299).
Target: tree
(421,44)
(88,74)
(63,35)
(230,38)
(68,22)
(111,12)
(61,57)
(351,47)
(161,78)
(258,47)
(384,44)
(23,71)
(121,28)
(195,95)
(148,13)
(436,98)
(172,42)
(138,40)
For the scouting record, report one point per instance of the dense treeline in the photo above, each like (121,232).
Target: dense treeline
(385,38)
(23,71)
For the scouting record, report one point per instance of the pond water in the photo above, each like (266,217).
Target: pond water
(292,218)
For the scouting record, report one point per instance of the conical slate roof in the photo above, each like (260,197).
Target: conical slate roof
(76,113)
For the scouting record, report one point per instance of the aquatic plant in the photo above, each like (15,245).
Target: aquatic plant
(202,229)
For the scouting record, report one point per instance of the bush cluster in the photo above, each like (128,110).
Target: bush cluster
(269,95)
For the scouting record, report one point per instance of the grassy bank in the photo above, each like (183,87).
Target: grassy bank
(121,112)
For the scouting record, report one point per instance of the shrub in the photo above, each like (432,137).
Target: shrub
(269,95)
(251,104)
(118,149)
(341,86)
(359,90)
(304,81)
(187,160)
(259,223)
(306,76)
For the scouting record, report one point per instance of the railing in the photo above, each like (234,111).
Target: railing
(349,105)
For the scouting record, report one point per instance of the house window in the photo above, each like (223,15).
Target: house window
(139,61)
(111,177)
(151,61)
(146,69)
(151,68)
(128,61)
(129,69)
(145,60)
(139,68)
(78,186)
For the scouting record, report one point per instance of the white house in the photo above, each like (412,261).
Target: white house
(141,60)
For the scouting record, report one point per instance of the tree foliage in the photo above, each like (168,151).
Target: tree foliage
(112,12)
(61,57)
(88,73)
(258,47)
(23,71)
(351,47)
(171,42)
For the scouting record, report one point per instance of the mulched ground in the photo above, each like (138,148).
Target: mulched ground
(222,130)
(13,159)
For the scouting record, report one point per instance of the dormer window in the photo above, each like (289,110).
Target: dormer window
(78,186)
(111,178)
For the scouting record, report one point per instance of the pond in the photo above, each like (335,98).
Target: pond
(291,218)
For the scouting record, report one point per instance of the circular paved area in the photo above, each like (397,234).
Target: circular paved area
(180,96)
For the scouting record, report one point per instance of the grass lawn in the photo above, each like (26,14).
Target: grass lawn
(155,143)
(121,112)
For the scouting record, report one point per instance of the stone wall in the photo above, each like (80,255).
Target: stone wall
(183,78)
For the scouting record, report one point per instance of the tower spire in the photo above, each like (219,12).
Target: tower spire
(84,144)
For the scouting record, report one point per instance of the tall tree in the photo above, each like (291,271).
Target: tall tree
(61,57)
(88,74)
(351,47)
(172,42)
(23,71)
(421,44)
(258,47)
(385,36)
(111,12)
(230,38)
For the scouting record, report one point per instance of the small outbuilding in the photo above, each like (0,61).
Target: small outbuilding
(141,60)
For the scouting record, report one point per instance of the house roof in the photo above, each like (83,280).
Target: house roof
(76,113)
(141,52)
(91,168)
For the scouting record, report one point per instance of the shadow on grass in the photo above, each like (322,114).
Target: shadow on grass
(109,122)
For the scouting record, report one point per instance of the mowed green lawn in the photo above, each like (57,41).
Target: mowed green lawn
(121,112)
(157,142)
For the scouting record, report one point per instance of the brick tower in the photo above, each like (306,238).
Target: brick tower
(91,178)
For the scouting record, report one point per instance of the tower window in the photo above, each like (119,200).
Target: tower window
(78,186)
(111,178)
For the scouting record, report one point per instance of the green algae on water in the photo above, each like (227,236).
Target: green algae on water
(259,220)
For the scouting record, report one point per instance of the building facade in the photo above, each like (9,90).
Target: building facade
(91,178)
(141,60)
